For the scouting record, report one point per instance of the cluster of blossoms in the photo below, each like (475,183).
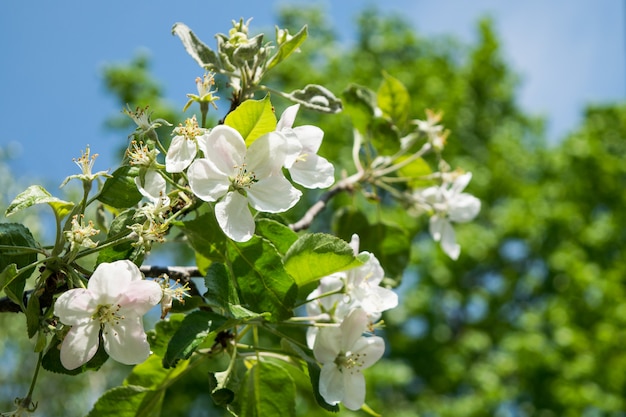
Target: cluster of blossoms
(348,304)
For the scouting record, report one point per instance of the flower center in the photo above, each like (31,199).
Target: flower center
(108,314)
(244,178)
(351,362)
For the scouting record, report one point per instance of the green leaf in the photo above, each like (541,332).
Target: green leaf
(280,235)
(314,256)
(221,292)
(33,310)
(360,103)
(253,119)
(417,170)
(394,101)
(12,281)
(119,190)
(221,396)
(263,282)
(384,136)
(316,97)
(288,47)
(151,374)
(202,54)
(124,250)
(267,390)
(205,236)
(128,401)
(195,327)
(36,194)
(163,331)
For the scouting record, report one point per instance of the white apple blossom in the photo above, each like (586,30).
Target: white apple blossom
(238,177)
(344,352)
(184,146)
(305,166)
(450,204)
(152,185)
(112,305)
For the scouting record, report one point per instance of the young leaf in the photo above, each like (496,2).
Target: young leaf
(127,401)
(33,311)
(263,282)
(267,390)
(12,281)
(195,327)
(360,103)
(316,97)
(120,190)
(394,100)
(163,331)
(205,236)
(36,194)
(151,374)
(281,236)
(287,48)
(314,256)
(124,250)
(253,119)
(202,54)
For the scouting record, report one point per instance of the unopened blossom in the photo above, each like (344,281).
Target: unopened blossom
(184,146)
(450,204)
(235,176)
(305,166)
(80,235)
(113,304)
(344,353)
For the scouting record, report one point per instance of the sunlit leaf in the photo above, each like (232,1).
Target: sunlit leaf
(253,119)
(202,54)
(288,47)
(36,194)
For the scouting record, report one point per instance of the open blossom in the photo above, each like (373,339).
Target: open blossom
(236,176)
(344,352)
(184,146)
(305,166)
(450,204)
(113,303)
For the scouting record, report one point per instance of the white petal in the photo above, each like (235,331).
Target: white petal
(273,195)
(206,181)
(267,154)
(140,296)
(234,217)
(288,117)
(313,172)
(126,342)
(463,208)
(352,328)
(369,350)
(379,299)
(310,137)
(448,242)
(180,154)
(80,344)
(110,280)
(327,344)
(154,187)
(225,148)
(294,147)
(354,390)
(75,306)
(461,182)
(331,384)
(311,335)
(436,226)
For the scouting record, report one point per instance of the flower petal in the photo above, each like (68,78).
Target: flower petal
(354,390)
(378,299)
(234,217)
(75,306)
(154,187)
(273,195)
(80,344)
(288,117)
(110,280)
(448,242)
(313,172)
(225,148)
(139,297)
(126,342)
(310,137)
(327,345)
(267,154)
(331,383)
(463,208)
(180,154)
(369,350)
(206,180)
(461,182)
(352,328)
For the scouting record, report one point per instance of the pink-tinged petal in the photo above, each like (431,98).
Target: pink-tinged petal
(180,154)
(75,306)
(154,187)
(327,344)
(331,384)
(110,280)
(266,156)
(354,390)
(206,181)
(448,242)
(225,148)
(234,217)
(140,297)
(369,350)
(463,208)
(126,342)
(273,195)
(288,117)
(80,344)
(352,328)
(313,172)
(310,137)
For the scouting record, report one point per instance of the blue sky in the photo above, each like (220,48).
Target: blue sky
(568,52)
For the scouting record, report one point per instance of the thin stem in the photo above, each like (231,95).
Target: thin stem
(427,146)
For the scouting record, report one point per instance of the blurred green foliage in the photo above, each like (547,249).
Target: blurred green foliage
(530,321)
